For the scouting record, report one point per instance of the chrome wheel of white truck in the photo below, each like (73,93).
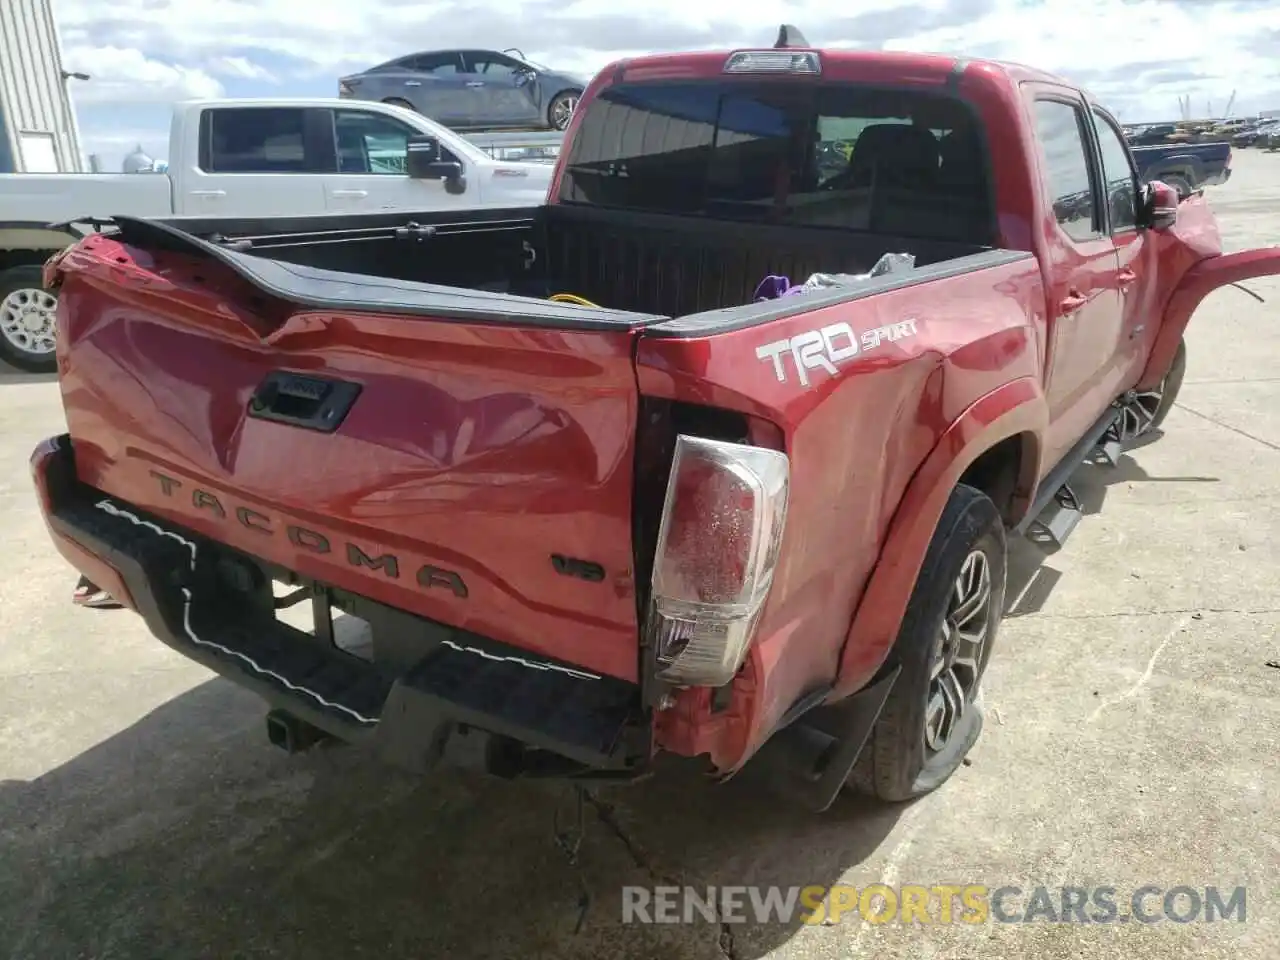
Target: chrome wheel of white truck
(28,315)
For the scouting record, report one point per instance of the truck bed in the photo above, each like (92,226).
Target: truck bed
(648,264)
(44,198)
(422,429)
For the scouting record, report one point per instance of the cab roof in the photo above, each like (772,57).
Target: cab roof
(896,65)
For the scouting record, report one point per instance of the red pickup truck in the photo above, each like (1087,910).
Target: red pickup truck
(662,468)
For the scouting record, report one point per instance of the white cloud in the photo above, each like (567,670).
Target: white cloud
(1137,55)
(241,68)
(130,75)
(1140,55)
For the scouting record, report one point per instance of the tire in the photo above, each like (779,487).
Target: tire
(897,763)
(1171,385)
(1180,183)
(397,102)
(1142,411)
(28,323)
(560,109)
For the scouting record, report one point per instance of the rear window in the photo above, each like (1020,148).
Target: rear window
(857,157)
(253,140)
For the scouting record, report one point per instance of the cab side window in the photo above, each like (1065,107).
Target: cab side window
(491,64)
(373,142)
(1061,130)
(1120,183)
(441,64)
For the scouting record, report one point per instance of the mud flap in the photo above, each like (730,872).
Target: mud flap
(810,759)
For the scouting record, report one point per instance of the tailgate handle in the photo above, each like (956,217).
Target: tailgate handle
(315,403)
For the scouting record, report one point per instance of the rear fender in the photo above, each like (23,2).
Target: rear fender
(1017,407)
(1196,284)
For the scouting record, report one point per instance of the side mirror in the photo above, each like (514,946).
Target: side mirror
(525,77)
(1159,205)
(423,162)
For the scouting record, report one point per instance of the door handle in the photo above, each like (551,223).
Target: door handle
(349,193)
(316,403)
(208,193)
(475,83)
(413,83)
(1125,277)
(1073,302)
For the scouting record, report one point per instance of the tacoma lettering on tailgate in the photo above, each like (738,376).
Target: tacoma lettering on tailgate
(428,577)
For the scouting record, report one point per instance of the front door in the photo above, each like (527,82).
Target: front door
(505,95)
(1084,301)
(1138,253)
(371,168)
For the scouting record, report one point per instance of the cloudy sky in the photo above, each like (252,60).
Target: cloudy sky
(1138,56)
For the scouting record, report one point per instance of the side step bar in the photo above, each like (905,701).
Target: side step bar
(1057,520)
(1057,510)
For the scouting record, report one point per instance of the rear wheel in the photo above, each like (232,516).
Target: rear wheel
(931,718)
(397,102)
(28,320)
(560,110)
(1179,182)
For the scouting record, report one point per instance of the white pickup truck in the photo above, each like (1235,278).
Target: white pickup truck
(248,157)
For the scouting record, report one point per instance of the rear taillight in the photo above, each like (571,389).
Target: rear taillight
(717,547)
(346,88)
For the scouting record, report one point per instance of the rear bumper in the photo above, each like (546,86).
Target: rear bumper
(550,715)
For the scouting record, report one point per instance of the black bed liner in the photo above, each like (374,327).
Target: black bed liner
(325,289)
(672,266)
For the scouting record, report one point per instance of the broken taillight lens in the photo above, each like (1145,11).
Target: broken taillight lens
(717,548)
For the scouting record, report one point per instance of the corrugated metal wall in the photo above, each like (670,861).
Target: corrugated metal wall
(33,96)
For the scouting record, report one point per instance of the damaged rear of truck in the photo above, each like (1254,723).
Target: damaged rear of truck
(691,523)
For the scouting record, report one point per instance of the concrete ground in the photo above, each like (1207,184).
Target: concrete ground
(1133,737)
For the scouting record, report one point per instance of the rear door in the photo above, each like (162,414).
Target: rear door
(253,161)
(1081,265)
(504,96)
(370,167)
(431,83)
(439,90)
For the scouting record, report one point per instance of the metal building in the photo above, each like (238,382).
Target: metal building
(38,132)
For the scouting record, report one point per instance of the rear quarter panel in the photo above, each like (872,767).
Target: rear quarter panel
(855,441)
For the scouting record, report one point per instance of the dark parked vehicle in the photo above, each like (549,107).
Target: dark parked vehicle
(1264,134)
(472,89)
(1148,134)
(1185,166)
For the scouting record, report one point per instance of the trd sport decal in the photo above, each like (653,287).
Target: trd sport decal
(829,347)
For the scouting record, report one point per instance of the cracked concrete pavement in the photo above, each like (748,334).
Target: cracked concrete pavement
(1132,738)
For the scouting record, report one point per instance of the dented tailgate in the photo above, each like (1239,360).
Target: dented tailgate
(476,474)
